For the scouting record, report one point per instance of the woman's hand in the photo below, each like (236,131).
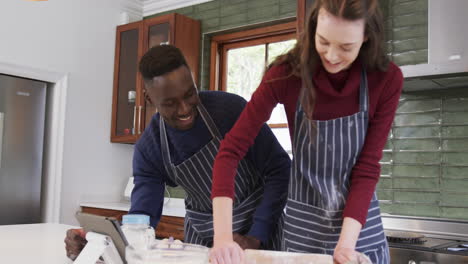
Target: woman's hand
(345,250)
(349,256)
(226,251)
(345,255)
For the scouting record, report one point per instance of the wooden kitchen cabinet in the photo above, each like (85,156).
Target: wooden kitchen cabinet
(130,112)
(303,7)
(169,226)
(125,102)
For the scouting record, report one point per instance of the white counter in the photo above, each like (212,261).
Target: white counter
(33,244)
(172,206)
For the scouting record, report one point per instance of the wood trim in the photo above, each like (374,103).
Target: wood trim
(104,212)
(258,41)
(241,39)
(279,125)
(223,68)
(256,33)
(235,45)
(125,139)
(214,66)
(189,29)
(119,31)
(115,84)
(300,14)
(140,100)
(170,226)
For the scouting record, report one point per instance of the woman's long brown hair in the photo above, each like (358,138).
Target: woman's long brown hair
(304,59)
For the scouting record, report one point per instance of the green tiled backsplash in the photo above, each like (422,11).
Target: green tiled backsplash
(175,192)
(405,20)
(425,162)
(407,30)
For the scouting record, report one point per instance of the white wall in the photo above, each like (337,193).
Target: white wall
(78,38)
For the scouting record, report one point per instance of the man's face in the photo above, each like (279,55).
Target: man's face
(175,96)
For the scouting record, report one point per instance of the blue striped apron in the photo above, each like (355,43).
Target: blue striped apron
(319,184)
(194,175)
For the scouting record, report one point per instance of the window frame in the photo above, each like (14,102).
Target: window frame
(221,44)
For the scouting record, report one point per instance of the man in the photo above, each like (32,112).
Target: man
(178,149)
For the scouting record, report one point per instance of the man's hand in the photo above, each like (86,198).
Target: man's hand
(75,242)
(246,242)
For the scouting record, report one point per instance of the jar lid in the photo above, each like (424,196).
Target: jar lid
(135,219)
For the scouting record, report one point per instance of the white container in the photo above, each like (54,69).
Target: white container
(168,252)
(137,230)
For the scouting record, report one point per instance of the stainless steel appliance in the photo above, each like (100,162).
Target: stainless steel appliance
(22,118)
(427,240)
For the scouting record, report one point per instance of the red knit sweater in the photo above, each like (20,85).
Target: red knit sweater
(337,95)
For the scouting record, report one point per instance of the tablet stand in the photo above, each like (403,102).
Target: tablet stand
(98,245)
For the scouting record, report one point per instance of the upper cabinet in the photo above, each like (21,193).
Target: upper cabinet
(130,112)
(303,7)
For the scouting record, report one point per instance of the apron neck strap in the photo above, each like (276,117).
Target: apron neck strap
(210,124)
(363,92)
(165,143)
(165,148)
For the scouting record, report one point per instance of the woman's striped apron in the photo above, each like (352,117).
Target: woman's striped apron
(319,184)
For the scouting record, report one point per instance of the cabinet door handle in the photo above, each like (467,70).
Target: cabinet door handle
(179,228)
(140,108)
(134,119)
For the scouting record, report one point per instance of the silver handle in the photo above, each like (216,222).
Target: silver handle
(139,119)
(134,119)
(2,121)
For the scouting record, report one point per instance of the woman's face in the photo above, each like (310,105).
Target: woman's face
(338,41)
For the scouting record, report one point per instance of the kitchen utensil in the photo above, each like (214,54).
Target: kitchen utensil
(404,237)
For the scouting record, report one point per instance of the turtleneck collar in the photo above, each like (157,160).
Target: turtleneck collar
(338,84)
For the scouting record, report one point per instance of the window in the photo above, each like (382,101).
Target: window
(239,60)
(245,67)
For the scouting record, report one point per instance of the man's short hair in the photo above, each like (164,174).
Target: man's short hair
(160,60)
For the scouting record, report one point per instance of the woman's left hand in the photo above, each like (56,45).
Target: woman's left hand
(345,250)
(345,255)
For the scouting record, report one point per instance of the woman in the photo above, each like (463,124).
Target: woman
(340,94)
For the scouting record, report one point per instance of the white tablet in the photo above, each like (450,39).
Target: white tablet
(104,225)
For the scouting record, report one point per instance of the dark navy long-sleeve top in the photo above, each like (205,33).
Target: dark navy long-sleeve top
(266,155)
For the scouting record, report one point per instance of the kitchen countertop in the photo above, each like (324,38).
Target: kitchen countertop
(172,206)
(43,244)
(33,243)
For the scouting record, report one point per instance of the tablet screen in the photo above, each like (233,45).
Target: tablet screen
(104,225)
